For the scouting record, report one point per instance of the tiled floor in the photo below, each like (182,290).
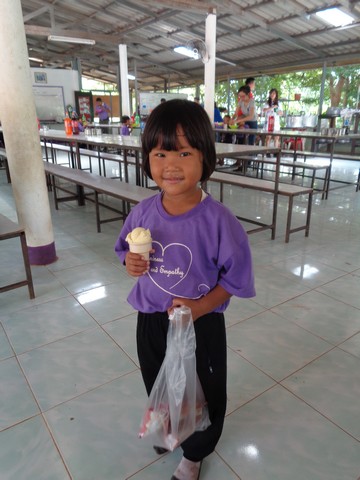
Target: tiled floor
(71,396)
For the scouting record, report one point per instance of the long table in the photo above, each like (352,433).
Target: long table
(125,143)
(298,134)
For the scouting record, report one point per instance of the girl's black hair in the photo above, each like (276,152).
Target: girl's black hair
(272,102)
(162,127)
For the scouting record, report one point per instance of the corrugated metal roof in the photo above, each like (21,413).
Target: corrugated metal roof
(258,36)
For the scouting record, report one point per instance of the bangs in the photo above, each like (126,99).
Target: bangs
(163,127)
(167,132)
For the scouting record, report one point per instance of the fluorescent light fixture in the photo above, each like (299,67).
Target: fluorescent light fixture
(187,52)
(335,17)
(59,38)
(34,59)
(131,77)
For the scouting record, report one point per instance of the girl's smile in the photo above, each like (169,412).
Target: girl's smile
(177,173)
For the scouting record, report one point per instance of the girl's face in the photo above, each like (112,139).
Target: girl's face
(273,95)
(177,172)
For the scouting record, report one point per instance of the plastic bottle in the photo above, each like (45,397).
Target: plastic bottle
(137,120)
(271,122)
(67,123)
(75,127)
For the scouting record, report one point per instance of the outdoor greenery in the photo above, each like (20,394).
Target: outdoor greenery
(342,87)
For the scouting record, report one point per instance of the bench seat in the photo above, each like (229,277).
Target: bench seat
(4,164)
(268,186)
(10,229)
(128,194)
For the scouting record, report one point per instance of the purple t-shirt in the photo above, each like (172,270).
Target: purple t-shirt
(194,252)
(124,130)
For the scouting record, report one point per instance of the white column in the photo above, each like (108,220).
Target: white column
(209,77)
(124,81)
(18,116)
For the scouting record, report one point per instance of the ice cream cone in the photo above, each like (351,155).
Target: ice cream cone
(142,248)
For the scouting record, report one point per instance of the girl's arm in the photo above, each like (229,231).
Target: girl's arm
(203,305)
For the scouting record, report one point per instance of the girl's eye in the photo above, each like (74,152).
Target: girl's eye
(184,154)
(159,155)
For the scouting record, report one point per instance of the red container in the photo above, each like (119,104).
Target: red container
(271,123)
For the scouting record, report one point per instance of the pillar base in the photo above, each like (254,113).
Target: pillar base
(42,255)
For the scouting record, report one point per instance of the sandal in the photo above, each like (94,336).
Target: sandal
(187,470)
(160,450)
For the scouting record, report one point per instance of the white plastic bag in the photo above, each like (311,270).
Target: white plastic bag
(176,406)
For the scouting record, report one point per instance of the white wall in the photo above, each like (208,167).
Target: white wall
(68,79)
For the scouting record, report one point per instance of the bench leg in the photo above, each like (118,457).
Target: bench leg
(288,221)
(308,216)
(27,265)
(97,209)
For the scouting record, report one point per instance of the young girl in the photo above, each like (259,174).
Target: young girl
(273,107)
(200,258)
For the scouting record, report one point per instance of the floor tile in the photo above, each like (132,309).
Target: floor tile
(277,436)
(16,401)
(72,257)
(98,431)
(331,384)
(273,288)
(67,368)
(244,381)
(241,309)
(46,287)
(267,339)
(85,277)
(123,332)
(345,290)
(307,270)
(352,345)
(5,347)
(108,302)
(45,323)
(322,315)
(27,452)
(76,354)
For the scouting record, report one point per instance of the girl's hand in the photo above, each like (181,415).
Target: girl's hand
(194,306)
(136,265)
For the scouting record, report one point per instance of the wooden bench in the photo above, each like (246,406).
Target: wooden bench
(128,194)
(10,229)
(101,157)
(303,166)
(267,186)
(4,164)
(341,156)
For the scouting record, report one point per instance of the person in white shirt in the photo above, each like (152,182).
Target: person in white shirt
(273,107)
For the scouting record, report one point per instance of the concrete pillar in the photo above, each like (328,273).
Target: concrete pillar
(209,80)
(124,81)
(18,116)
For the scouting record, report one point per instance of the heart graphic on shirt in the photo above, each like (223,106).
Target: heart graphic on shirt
(169,265)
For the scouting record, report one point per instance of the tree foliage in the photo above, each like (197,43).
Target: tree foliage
(342,86)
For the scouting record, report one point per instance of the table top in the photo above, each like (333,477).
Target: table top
(106,140)
(222,149)
(289,133)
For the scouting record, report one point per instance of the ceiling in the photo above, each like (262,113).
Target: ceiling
(254,37)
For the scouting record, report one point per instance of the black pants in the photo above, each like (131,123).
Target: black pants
(210,364)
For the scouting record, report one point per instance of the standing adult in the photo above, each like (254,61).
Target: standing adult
(273,107)
(250,82)
(102,111)
(245,115)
